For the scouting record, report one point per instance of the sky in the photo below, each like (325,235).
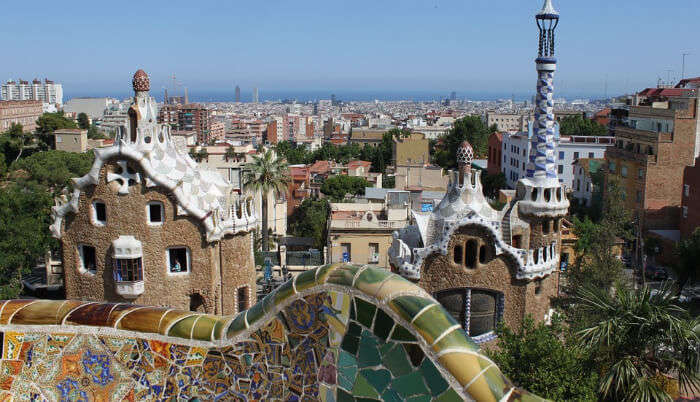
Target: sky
(397,46)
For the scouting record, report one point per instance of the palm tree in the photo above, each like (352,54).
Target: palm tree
(639,338)
(266,173)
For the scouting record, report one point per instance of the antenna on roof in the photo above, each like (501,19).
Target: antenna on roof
(684,54)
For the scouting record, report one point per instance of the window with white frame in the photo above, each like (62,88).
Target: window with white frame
(88,259)
(155,212)
(178,260)
(99,213)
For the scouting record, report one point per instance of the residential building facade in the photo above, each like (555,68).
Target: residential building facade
(24,112)
(44,92)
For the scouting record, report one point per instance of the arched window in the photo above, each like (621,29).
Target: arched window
(242,298)
(458,254)
(482,254)
(133,123)
(470,255)
(477,310)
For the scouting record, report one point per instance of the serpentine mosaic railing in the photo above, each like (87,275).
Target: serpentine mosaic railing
(336,333)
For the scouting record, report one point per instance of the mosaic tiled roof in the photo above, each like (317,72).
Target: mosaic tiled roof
(338,332)
(201,193)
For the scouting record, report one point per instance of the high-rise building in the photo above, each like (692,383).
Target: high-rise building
(46,92)
(453,95)
(238,94)
(190,117)
(255,95)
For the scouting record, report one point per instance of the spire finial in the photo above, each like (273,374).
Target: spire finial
(548,9)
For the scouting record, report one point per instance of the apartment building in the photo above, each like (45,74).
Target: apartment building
(24,112)
(361,233)
(653,147)
(189,117)
(410,151)
(45,92)
(508,122)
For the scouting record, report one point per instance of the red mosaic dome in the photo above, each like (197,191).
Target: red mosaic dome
(465,153)
(141,81)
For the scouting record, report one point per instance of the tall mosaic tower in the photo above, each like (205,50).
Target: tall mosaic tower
(542,164)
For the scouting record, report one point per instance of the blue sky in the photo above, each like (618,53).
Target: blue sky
(469,46)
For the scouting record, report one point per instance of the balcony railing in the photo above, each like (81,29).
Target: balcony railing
(625,154)
(364,224)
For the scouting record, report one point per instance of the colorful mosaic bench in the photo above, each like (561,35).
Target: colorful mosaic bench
(337,333)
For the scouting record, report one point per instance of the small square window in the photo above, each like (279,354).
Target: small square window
(623,171)
(88,259)
(155,213)
(99,213)
(178,260)
(590,155)
(561,155)
(560,169)
(576,155)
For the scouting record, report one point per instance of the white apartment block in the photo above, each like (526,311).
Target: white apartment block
(508,122)
(516,148)
(46,92)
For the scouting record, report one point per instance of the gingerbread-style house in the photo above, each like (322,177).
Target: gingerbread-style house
(148,226)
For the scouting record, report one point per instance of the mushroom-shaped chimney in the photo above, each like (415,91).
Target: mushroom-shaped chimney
(141,82)
(465,156)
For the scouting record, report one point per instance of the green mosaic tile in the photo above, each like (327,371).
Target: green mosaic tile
(203,328)
(183,328)
(237,326)
(497,382)
(269,303)
(433,378)
(455,339)
(362,388)
(305,280)
(420,398)
(255,313)
(350,344)
(433,322)
(344,275)
(283,292)
(369,351)
(370,279)
(354,329)
(410,385)
(353,314)
(414,353)
(365,312)
(379,379)
(344,396)
(346,360)
(391,396)
(396,360)
(408,306)
(346,376)
(449,396)
(401,334)
(382,325)
(323,272)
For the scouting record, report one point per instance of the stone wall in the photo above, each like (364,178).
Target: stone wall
(127,215)
(337,333)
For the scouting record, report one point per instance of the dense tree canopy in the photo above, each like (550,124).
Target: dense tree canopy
(545,360)
(493,183)
(83,121)
(309,220)
(25,212)
(469,128)
(578,125)
(55,169)
(50,122)
(336,187)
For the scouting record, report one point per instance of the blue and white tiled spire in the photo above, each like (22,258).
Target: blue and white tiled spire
(542,152)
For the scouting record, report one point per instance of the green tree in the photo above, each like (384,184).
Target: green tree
(578,125)
(230,154)
(637,337)
(94,133)
(200,155)
(469,128)
(83,121)
(54,169)
(537,358)
(336,187)
(24,220)
(267,174)
(50,122)
(688,252)
(310,220)
(493,183)
(12,143)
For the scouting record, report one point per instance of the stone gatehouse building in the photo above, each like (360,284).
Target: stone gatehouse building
(148,226)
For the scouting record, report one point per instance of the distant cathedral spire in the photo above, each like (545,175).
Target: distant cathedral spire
(542,163)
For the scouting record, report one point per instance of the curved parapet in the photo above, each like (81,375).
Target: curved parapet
(336,333)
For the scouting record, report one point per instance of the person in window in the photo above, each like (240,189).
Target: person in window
(176,267)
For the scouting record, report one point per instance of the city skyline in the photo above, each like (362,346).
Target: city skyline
(473,47)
